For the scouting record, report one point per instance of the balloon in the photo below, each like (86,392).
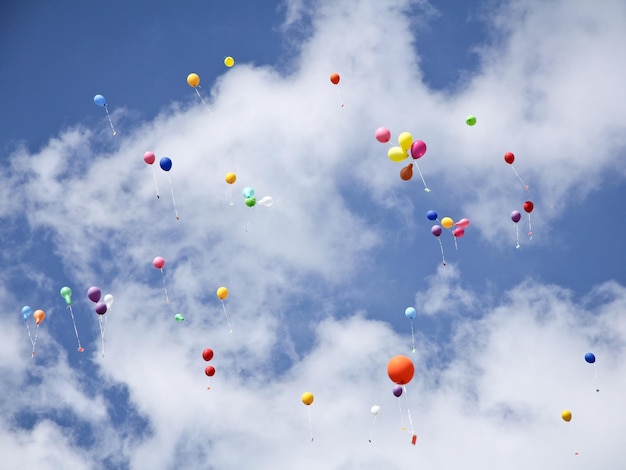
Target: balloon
(158,262)
(207,354)
(396,154)
(209,371)
(66,293)
(397,391)
(26,312)
(247,192)
(435,230)
(431,215)
(458,232)
(405,140)
(590,357)
(229,61)
(166,164)
(383,135)
(39,316)
(400,369)
(447,222)
(193,80)
(101,308)
(470,120)
(509,158)
(94,294)
(463,223)
(529,206)
(418,149)
(375,409)
(516,216)
(108,300)
(230,177)
(99,100)
(250,201)
(410,313)
(222,293)
(406,173)
(149,157)
(334,78)
(566,415)
(267,201)
(307,398)
(178,317)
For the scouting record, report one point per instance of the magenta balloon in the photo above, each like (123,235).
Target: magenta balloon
(458,232)
(463,223)
(158,262)
(516,216)
(418,149)
(436,230)
(149,157)
(94,294)
(383,134)
(101,308)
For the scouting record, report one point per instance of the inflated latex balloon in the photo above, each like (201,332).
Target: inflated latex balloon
(149,157)
(247,192)
(207,354)
(418,149)
(307,398)
(66,293)
(108,300)
(509,158)
(222,293)
(400,369)
(250,201)
(267,201)
(516,216)
(39,316)
(383,135)
(528,206)
(166,164)
(229,61)
(458,232)
(470,120)
(158,262)
(396,154)
(431,215)
(436,230)
(406,173)
(405,140)
(334,78)
(209,371)
(463,223)
(375,409)
(179,317)
(230,177)
(99,100)
(590,357)
(27,312)
(193,79)
(447,222)
(94,294)
(566,415)
(397,391)
(101,308)
(410,313)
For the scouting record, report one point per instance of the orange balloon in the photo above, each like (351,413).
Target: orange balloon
(230,177)
(39,316)
(406,173)
(334,78)
(400,370)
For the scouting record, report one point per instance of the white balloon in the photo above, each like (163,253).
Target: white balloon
(108,299)
(375,409)
(267,201)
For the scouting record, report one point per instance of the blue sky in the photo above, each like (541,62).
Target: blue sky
(320,280)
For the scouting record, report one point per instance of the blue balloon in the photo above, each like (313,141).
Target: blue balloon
(590,358)
(248,192)
(431,215)
(99,100)
(27,312)
(410,313)
(166,164)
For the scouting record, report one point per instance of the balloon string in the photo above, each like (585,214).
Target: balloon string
(372,431)
(517,236)
(340,98)
(102,329)
(595,369)
(573,441)
(408,409)
(230,194)
(109,117)
(31,339)
(198,93)
(230,330)
(422,176)
(456,247)
(441,247)
(167,299)
(401,415)
(80,348)
(156,186)
(173,199)
(412,337)
(249,217)
(35,340)
(310,423)
(530,229)
(518,177)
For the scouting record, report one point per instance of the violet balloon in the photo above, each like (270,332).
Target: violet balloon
(418,149)
(516,216)
(94,294)
(436,230)
(101,308)
(397,391)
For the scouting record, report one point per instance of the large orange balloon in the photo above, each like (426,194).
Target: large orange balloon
(400,370)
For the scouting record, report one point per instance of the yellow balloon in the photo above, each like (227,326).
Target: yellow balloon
(229,61)
(222,293)
(193,79)
(405,140)
(566,415)
(396,154)
(447,222)
(230,177)
(307,398)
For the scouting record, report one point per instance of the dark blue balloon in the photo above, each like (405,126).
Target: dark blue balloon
(432,215)
(590,358)
(166,164)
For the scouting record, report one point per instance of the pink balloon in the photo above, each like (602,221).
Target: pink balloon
(418,149)
(463,223)
(158,262)
(458,232)
(149,157)
(383,134)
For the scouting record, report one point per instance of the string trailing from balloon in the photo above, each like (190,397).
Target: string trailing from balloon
(100,101)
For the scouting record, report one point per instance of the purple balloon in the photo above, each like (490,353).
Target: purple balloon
(418,149)
(101,308)
(516,216)
(397,390)
(94,294)
(436,230)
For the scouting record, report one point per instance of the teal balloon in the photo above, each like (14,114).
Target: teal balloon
(410,313)
(66,293)
(248,192)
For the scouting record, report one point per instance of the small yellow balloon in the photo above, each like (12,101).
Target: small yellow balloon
(447,222)
(307,398)
(405,140)
(193,79)
(396,154)
(222,293)
(230,177)
(229,61)
(566,415)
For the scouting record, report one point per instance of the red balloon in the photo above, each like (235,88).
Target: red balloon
(158,262)
(149,157)
(209,371)
(400,370)
(207,354)
(509,158)
(334,78)
(529,206)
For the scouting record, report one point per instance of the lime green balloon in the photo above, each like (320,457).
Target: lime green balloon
(66,293)
(179,317)
(397,154)
(470,120)
(250,201)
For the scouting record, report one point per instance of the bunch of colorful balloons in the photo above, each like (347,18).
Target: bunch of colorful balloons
(406,146)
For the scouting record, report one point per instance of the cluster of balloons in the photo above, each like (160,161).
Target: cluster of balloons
(406,146)
(102,306)
(209,370)
(456,228)
(166,165)
(400,370)
(39,316)
(516,216)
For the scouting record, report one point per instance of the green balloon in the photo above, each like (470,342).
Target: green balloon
(470,120)
(250,201)
(179,317)
(66,293)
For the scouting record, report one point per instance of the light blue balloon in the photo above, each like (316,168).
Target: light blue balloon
(410,313)
(99,100)
(27,312)
(248,192)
